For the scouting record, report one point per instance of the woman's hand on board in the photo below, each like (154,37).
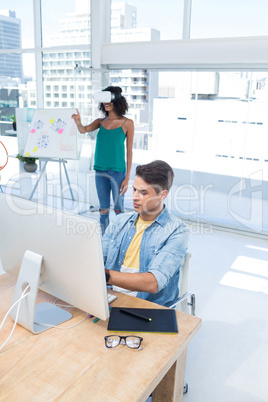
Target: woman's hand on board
(77,118)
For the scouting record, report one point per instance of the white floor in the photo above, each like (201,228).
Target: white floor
(228,359)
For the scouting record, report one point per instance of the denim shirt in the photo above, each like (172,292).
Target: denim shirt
(163,246)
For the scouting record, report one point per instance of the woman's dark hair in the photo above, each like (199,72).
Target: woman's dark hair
(157,173)
(120,104)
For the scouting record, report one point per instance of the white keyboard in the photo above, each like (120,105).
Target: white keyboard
(111,298)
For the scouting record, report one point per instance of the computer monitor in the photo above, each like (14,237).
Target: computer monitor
(56,251)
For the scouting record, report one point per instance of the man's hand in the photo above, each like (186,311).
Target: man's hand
(138,282)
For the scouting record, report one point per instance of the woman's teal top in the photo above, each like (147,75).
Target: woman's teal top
(110,150)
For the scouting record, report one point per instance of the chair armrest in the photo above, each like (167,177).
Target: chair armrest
(190,303)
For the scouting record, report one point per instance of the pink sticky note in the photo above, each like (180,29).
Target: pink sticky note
(60,131)
(33,130)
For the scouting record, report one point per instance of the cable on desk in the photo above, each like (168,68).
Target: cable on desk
(23,295)
(56,326)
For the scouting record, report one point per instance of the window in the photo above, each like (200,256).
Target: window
(146,20)
(217,118)
(218,19)
(214,135)
(59,26)
(18,90)
(16,25)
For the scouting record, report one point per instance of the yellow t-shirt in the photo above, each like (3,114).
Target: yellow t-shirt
(132,256)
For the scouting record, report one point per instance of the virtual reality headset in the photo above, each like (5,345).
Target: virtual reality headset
(106,97)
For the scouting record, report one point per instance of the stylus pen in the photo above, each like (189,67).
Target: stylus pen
(136,315)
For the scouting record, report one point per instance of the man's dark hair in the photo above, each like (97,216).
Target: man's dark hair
(120,103)
(157,173)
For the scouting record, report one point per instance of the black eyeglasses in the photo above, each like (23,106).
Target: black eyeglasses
(133,342)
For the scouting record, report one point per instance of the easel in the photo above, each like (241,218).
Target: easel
(60,162)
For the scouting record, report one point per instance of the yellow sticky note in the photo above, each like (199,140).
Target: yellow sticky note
(51,121)
(35,149)
(27,154)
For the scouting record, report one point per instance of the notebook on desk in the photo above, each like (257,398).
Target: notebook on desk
(142,320)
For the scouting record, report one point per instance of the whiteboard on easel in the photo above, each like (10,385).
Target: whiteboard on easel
(52,134)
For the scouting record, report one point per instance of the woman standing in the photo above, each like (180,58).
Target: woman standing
(112,171)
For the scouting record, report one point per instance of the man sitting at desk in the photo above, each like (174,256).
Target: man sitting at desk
(143,251)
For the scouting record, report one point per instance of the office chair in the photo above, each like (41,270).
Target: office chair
(186,299)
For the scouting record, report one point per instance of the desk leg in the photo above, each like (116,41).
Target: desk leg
(171,386)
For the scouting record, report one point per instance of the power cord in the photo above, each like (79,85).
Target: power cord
(56,326)
(23,295)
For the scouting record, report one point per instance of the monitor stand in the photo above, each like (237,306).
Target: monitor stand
(31,316)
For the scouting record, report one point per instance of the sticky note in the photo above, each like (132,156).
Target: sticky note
(35,149)
(27,154)
(51,121)
(60,131)
(32,130)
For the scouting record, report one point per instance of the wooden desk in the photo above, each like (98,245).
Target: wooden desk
(73,365)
